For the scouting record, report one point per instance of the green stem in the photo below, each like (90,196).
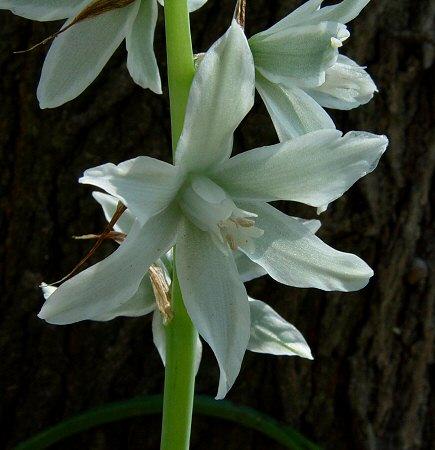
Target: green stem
(180,333)
(180,62)
(179,376)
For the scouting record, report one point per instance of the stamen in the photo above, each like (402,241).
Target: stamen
(231,241)
(245,223)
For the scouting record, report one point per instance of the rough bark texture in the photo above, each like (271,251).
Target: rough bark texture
(369,385)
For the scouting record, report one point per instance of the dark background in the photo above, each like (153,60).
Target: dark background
(369,385)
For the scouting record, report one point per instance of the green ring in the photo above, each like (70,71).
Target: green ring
(222,409)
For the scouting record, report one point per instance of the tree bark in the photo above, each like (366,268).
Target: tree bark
(369,385)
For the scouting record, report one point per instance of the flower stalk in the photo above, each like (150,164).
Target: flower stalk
(180,62)
(179,375)
(180,333)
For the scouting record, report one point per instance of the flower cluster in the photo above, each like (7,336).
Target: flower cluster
(215,208)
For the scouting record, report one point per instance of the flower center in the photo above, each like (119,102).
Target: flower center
(208,206)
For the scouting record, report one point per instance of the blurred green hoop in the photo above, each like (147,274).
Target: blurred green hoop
(206,406)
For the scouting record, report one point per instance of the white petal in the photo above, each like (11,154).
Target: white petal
(293,112)
(346,86)
(141,303)
(192,5)
(293,255)
(296,17)
(296,56)
(159,339)
(215,299)
(78,55)
(311,13)
(43,10)
(248,270)
(145,185)
(342,12)
(271,333)
(221,95)
(141,61)
(159,335)
(47,289)
(315,169)
(115,280)
(109,205)
(313,225)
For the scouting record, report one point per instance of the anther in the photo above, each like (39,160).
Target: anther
(231,242)
(245,223)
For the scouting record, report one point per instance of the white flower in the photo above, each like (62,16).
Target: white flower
(78,54)
(299,70)
(270,333)
(208,205)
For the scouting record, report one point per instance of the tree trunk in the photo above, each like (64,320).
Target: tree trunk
(369,385)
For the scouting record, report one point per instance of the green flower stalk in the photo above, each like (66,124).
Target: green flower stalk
(181,335)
